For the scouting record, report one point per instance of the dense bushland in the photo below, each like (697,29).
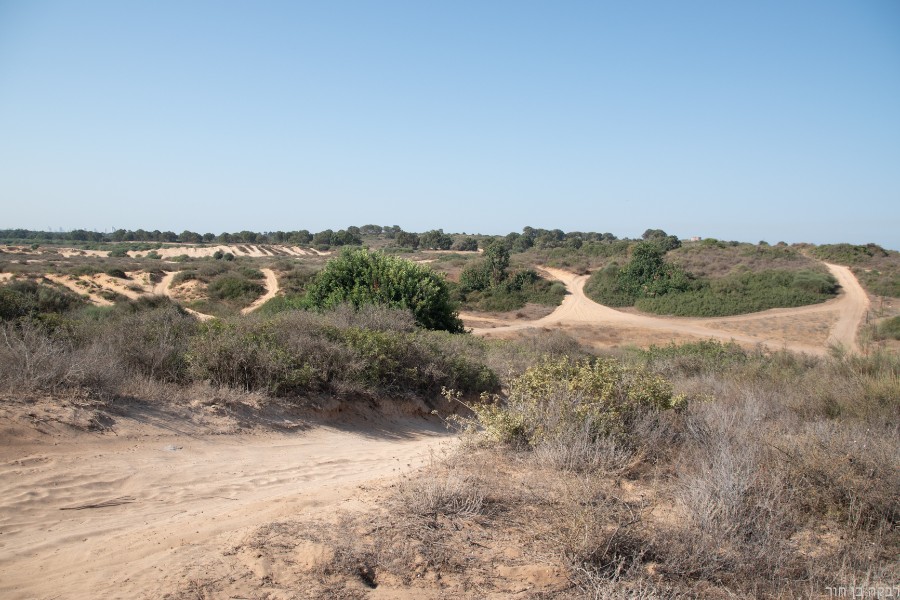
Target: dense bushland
(775,477)
(652,284)
(877,269)
(489,285)
(369,351)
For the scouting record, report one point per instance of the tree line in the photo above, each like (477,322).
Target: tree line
(435,239)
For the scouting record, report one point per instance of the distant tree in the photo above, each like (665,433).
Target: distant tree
(496,256)
(435,239)
(323,238)
(248,237)
(404,239)
(189,237)
(468,244)
(663,240)
(371,229)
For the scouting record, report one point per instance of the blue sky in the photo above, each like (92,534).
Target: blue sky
(750,121)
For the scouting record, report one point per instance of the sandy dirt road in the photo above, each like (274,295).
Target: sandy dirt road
(135,516)
(271,291)
(577,309)
(164,288)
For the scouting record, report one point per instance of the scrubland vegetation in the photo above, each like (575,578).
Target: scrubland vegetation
(681,471)
(876,268)
(650,283)
(696,470)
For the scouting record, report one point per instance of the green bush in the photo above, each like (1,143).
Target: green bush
(605,287)
(745,293)
(360,277)
(117,273)
(228,287)
(514,294)
(604,396)
(20,299)
(888,329)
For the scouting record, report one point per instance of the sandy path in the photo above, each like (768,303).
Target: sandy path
(271,290)
(854,302)
(164,288)
(177,502)
(578,309)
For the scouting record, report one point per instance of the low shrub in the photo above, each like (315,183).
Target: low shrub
(560,397)
(227,287)
(889,329)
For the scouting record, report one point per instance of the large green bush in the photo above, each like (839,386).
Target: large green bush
(360,277)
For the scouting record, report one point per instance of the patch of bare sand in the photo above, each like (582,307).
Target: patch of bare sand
(529,312)
(813,328)
(80,286)
(158,508)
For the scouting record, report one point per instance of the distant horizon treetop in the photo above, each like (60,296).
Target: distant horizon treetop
(435,239)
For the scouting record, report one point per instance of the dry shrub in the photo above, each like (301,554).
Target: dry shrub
(735,506)
(31,358)
(448,493)
(847,472)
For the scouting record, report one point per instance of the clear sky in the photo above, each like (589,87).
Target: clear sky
(738,120)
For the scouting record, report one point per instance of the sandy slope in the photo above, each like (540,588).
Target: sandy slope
(577,309)
(176,502)
(271,290)
(64,280)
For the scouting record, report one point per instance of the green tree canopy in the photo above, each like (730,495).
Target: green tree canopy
(361,277)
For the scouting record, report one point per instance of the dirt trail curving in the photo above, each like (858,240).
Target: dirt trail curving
(271,290)
(164,288)
(140,514)
(854,303)
(577,309)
